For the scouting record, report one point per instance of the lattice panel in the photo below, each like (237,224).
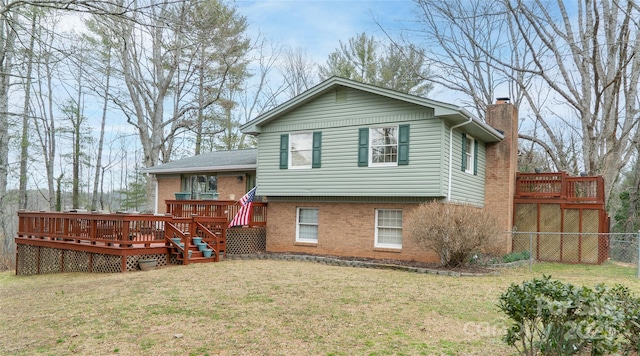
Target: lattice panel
(526,217)
(132,261)
(76,261)
(50,260)
(105,263)
(174,260)
(27,261)
(242,241)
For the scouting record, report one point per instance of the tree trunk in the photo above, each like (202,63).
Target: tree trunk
(97,179)
(24,142)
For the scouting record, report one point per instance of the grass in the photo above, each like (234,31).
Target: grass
(268,308)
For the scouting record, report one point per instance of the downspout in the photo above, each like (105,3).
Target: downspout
(464,112)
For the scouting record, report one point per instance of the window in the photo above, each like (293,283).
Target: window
(201,185)
(300,150)
(307,225)
(469,154)
(383,146)
(388,228)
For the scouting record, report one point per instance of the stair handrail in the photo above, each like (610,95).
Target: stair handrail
(210,234)
(183,236)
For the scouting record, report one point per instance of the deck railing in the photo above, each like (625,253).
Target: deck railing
(121,230)
(216,208)
(560,186)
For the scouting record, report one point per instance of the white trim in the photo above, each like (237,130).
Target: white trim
(247,167)
(290,155)
(471,156)
(370,153)
(317,224)
(376,227)
(155,208)
(441,109)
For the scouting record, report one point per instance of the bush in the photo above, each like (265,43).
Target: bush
(553,318)
(454,232)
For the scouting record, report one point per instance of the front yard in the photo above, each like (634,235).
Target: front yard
(267,307)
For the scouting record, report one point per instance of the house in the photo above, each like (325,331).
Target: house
(224,175)
(344,162)
(341,166)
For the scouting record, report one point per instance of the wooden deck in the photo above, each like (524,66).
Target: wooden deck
(560,186)
(556,203)
(127,238)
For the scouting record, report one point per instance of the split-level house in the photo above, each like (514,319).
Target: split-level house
(343,164)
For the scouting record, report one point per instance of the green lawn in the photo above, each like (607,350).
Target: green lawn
(267,307)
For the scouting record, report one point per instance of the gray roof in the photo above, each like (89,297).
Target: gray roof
(217,161)
(455,115)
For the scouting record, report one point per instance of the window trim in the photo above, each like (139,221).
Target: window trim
(470,159)
(317,225)
(290,152)
(187,181)
(377,227)
(370,149)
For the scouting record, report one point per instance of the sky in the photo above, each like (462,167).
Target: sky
(319,25)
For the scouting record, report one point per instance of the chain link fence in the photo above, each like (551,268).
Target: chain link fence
(579,248)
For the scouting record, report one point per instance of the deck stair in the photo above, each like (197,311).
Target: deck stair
(193,253)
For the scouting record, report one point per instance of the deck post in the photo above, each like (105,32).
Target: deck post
(123,263)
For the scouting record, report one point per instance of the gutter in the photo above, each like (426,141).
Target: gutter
(467,114)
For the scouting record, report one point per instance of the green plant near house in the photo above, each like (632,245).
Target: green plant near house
(549,317)
(516,256)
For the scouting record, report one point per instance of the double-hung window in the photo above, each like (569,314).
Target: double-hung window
(383,146)
(469,154)
(307,225)
(388,228)
(300,150)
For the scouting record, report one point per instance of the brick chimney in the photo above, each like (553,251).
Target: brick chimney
(502,163)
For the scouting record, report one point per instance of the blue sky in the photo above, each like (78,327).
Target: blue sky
(319,25)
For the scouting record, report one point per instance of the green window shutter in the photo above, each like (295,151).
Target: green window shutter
(317,146)
(284,151)
(363,148)
(475,157)
(464,152)
(403,145)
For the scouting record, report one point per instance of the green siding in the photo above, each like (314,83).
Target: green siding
(340,175)
(466,187)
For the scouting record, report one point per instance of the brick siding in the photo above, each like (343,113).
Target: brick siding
(229,188)
(502,162)
(167,187)
(344,229)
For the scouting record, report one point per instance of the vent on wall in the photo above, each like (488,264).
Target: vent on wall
(341,95)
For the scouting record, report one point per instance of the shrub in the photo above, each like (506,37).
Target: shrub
(516,256)
(454,232)
(553,318)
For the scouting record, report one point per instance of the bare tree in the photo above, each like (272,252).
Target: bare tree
(298,71)
(164,57)
(26,111)
(44,106)
(593,68)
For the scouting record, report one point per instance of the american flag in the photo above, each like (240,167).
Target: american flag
(244,214)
